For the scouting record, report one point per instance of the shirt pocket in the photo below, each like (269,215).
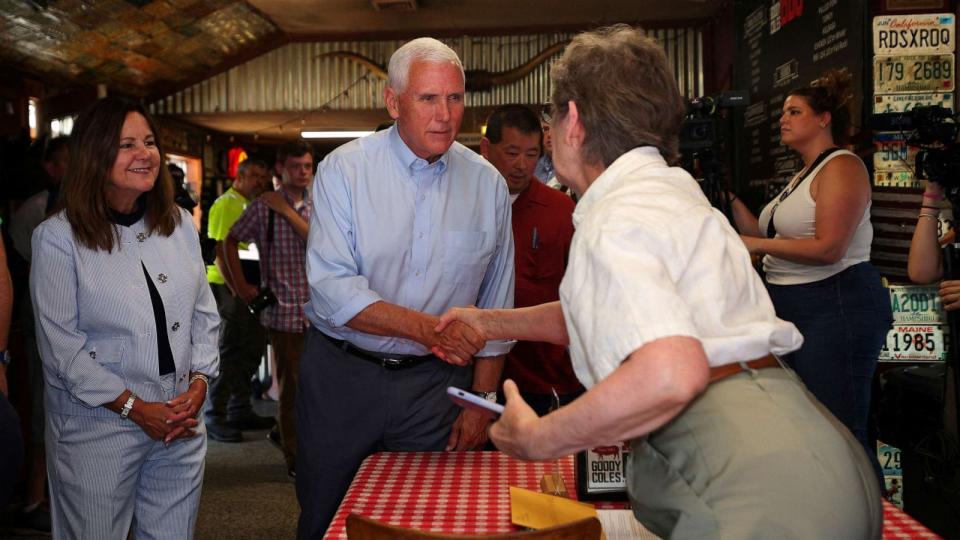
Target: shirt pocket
(465,257)
(546,263)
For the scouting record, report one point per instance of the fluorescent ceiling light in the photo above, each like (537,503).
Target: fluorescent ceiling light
(334,134)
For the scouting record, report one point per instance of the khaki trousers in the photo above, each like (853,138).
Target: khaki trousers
(755,456)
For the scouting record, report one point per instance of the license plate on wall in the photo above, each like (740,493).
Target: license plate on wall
(897,179)
(914,343)
(898,34)
(912,74)
(913,304)
(893,153)
(894,103)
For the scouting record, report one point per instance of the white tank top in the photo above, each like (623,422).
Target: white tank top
(796,218)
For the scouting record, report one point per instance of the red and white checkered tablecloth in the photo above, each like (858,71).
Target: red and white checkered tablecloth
(897,524)
(467,493)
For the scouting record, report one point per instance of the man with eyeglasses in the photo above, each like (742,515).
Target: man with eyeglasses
(542,232)
(544,170)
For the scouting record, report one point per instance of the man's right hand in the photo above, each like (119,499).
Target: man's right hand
(247,292)
(467,322)
(456,343)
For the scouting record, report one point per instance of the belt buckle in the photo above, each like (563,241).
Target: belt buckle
(391,364)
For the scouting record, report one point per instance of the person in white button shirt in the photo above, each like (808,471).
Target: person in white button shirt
(671,330)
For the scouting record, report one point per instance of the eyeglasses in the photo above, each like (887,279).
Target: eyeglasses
(551,111)
(546,113)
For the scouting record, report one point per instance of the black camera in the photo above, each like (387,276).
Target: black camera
(264,299)
(703,143)
(702,127)
(934,130)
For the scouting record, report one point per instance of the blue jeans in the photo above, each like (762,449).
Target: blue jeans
(844,320)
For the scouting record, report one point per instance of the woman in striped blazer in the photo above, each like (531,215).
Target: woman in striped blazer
(127,329)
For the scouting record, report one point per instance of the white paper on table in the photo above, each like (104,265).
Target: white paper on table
(622,525)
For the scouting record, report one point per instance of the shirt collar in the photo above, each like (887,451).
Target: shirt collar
(289,198)
(126,220)
(610,178)
(411,161)
(532,194)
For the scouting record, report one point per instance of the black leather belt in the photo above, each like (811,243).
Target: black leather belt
(391,364)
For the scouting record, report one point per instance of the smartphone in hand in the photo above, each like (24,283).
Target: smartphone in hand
(469,400)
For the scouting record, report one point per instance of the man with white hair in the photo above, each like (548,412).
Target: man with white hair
(407,223)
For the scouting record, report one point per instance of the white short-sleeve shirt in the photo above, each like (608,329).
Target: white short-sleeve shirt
(650,259)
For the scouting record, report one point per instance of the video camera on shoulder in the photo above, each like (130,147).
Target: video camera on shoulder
(934,130)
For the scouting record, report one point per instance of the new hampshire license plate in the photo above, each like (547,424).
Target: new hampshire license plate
(915,304)
(913,74)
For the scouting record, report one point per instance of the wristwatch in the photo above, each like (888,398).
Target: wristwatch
(489,396)
(5,358)
(128,406)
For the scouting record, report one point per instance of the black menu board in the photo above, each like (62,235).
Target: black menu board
(782,45)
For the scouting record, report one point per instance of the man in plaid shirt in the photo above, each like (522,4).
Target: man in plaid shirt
(282,270)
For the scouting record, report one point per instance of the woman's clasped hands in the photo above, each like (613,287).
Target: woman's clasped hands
(173,419)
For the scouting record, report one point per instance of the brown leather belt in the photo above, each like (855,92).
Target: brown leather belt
(722,372)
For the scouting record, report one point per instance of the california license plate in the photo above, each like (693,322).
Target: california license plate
(894,103)
(915,343)
(913,304)
(927,33)
(913,74)
(897,179)
(893,153)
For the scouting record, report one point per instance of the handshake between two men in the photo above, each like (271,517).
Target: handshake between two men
(469,328)
(459,335)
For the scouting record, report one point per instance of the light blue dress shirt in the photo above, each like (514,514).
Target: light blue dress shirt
(389,226)
(544,170)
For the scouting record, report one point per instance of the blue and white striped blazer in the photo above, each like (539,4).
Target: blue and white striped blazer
(95,324)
